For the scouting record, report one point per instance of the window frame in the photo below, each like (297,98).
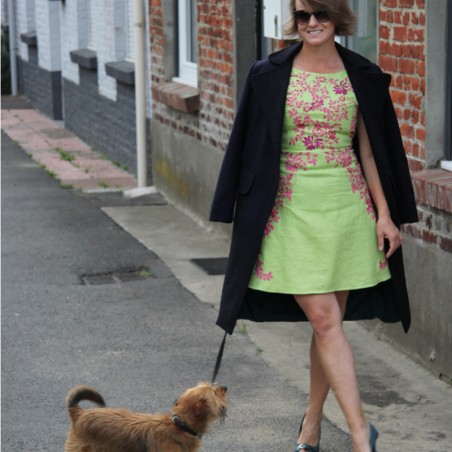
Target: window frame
(187,69)
(362,31)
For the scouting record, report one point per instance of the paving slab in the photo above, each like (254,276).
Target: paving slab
(63,153)
(411,407)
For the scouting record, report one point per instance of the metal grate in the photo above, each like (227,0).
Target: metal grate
(116,277)
(212,265)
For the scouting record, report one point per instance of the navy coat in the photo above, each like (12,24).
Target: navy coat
(248,184)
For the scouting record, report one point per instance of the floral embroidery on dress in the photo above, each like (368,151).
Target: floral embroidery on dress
(347,159)
(258,269)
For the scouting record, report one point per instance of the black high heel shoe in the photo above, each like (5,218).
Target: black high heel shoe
(306,447)
(373,438)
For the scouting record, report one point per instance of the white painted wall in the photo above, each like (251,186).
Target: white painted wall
(105,26)
(48,33)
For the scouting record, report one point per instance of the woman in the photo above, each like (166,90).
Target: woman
(316,181)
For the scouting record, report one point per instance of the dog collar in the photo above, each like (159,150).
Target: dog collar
(183,426)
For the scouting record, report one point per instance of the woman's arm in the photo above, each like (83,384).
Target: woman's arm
(385,227)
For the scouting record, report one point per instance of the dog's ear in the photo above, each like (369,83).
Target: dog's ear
(201,409)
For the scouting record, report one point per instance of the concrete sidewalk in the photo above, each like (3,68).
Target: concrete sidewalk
(63,154)
(410,407)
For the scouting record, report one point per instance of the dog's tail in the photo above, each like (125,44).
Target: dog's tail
(79,393)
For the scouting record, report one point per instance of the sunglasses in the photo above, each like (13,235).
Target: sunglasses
(303,18)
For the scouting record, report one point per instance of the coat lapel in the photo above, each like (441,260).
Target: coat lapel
(370,87)
(270,88)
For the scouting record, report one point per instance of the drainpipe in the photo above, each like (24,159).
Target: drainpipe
(140,91)
(12,47)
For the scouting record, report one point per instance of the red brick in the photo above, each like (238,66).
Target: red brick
(414,18)
(415,83)
(406,3)
(422,19)
(407,131)
(420,134)
(398,97)
(415,35)
(389,63)
(446,244)
(416,100)
(400,34)
(406,18)
(384,32)
(429,237)
(407,66)
(420,68)
(396,49)
(415,165)
(390,3)
(417,51)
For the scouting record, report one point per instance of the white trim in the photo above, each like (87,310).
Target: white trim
(188,70)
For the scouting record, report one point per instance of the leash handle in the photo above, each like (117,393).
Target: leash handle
(219,358)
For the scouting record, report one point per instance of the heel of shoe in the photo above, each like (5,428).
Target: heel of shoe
(306,447)
(373,438)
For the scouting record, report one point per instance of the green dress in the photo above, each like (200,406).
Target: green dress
(321,234)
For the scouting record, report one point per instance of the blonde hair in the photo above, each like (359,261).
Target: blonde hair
(340,13)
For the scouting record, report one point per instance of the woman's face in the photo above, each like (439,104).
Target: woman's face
(315,32)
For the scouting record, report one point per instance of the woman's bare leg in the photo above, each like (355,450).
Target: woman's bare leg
(335,358)
(318,389)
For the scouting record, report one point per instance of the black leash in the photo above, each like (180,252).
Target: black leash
(219,358)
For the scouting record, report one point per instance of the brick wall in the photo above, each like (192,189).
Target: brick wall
(402,54)
(212,123)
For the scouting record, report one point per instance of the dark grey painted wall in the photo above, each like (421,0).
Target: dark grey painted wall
(106,125)
(42,87)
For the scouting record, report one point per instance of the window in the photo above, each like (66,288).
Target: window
(130,38)
(31,14)
(91,25)
(188,43)
(124,30)
(365,39)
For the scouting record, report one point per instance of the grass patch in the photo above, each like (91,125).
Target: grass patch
(103,184)
(65,155)
(120,166)
(145,274)
(243,328)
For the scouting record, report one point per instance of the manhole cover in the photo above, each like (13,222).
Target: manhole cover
(116,277)
(212,265)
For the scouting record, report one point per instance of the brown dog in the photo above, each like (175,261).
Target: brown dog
(119,430)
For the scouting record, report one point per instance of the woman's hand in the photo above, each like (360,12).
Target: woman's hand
(386,229)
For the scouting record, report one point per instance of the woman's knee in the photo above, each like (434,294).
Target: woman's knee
(324,323)
(323,313)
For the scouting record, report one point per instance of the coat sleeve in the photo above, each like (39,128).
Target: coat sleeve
(401,180)
(224,199)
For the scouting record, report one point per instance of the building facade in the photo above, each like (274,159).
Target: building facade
(76,63)
(196,84)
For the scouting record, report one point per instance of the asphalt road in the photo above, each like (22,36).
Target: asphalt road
(140,343)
